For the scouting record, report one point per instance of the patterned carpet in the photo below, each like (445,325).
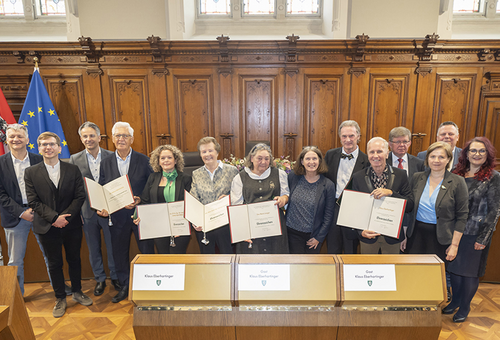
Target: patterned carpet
(106,320)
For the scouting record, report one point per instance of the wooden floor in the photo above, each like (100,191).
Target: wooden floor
(106,320)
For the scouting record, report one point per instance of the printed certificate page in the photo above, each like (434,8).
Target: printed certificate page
(95,193)
(194,210)
(154,221)
(239,223)
(387,215)
(355,209)
(216,214)
(264,219)
(118,194)
(178,224)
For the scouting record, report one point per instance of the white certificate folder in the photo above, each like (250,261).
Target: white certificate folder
(359,210)
(254,220)
(162,220)
(210,216)
(113,196)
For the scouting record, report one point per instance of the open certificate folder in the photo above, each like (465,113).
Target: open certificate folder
(210,216)
(254,220)
(359,210)
(113,196)
(162,220)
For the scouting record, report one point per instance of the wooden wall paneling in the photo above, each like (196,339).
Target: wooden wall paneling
(128,93)
(194,100)
(293,117)
(358,101)
(453,101)
(67,94)
(423,112)
(159,115)
(226,135)
(15,89)
(323,107)
(391,101)
(489,119)
(94,107)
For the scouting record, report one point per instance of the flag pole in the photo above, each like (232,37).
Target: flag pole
(35,59)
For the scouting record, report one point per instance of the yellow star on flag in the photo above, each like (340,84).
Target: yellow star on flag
(31,114)
(64,143)
(31,146)
(39,109)
(52,112)
(25,123)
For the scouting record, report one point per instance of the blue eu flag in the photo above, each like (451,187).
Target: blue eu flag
(38,115)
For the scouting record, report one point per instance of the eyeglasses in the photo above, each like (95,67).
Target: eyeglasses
(475,151)
(121,136)
(44,145)
(401,142)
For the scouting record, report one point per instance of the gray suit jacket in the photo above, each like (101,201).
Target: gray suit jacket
(456,155)
(414,164)
(452,204)
(80,159)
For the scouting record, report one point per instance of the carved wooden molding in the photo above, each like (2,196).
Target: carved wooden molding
(224,51)
(290,71)
(291,54)
(20,56)
(497,55)
(154,43)
(94,70)
(360,47)
(225,71)
(164,138)
(423,70)
(428,46)
(89,50)
(357,71)
(160,71)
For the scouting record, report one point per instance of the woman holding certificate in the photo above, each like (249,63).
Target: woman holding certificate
(261,181)
(167,184)
(476,164)
(312,199)
(211,183)
(441,207)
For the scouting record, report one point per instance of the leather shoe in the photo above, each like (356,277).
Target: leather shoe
(449,310)
(122,295)
(116,284)
(99,288)
(458,319)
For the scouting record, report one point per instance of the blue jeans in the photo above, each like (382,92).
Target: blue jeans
(17,238)
(92,229)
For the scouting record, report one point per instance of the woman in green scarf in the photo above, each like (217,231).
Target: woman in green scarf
(167,184)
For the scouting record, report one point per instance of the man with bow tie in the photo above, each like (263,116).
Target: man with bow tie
(342,163)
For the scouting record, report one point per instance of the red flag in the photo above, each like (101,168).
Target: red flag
(6,114)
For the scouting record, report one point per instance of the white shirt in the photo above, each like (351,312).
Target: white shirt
(94,164)
(123,165)
(54,172)
(395,162)
(344,173)
(19,167)
(237,185)
(211,174)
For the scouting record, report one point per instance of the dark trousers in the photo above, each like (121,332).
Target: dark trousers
(53,242)
(339,238)
(220,237)
(163,245)
(120,240)
(297,242)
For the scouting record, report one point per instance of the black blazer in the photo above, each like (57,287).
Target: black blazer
(398,183)
(323,207)
(452,204)
(150,192)
(11,201)
(332,159)
(138,174)
(80,159)
(48,201)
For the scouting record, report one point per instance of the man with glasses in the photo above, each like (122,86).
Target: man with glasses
(447,132)
(56,193)
(89,163)
(125,161)
(400,142)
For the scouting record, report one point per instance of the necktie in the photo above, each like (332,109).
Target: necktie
(349,156)
(400,165)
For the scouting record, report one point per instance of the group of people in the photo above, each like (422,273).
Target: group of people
(452,202)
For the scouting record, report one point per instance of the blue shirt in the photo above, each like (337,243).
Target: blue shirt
(426,211)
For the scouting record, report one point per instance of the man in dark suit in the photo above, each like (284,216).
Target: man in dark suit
(400,142)
(56,193)
(342,163)
(447,132)
(125,161)
(89,163)
(381,180)
(17,217)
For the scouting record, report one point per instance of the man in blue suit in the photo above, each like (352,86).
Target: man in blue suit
(447,132)
(89,163)
(125,161)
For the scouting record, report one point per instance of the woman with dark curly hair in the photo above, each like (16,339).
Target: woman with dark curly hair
(167,184)
(476,164)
